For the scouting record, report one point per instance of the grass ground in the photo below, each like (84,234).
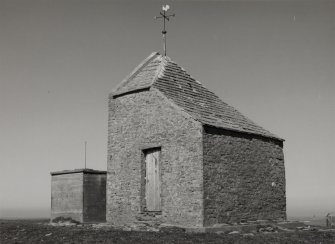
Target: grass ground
(39,231)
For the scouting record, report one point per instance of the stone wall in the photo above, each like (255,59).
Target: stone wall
(94,197)
(244,177)
(147,119)
(67,196)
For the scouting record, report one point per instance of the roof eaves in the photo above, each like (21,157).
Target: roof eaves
(119,94)
(243,131)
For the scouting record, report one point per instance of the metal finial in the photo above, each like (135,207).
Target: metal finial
(164,16)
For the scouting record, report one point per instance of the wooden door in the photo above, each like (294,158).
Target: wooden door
(152,189)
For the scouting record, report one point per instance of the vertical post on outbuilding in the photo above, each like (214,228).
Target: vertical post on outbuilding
(85,153)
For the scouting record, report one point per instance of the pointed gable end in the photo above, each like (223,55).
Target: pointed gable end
(160,72)
(142,76)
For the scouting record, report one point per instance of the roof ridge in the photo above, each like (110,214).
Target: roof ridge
(160,70)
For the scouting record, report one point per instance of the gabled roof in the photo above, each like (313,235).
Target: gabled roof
(160,72)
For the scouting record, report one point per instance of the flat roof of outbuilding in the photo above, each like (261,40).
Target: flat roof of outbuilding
(85,171)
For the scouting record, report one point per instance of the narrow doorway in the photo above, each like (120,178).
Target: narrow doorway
(152,178)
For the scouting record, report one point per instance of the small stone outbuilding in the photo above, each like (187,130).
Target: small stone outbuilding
(330,220)
(179,155)
(79,194)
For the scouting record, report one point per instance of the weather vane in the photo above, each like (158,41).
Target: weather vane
(164,16)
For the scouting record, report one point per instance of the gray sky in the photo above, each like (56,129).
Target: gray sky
(272,60)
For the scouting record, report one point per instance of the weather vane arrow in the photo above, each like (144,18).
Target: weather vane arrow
(164,16)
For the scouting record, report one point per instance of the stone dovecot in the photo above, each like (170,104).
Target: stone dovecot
(179,155)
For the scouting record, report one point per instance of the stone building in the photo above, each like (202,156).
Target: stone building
(179,155)
(330,220)
(79,194)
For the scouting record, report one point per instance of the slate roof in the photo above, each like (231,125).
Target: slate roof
(189,94)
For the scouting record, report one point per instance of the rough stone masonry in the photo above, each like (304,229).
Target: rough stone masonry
(215,166)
